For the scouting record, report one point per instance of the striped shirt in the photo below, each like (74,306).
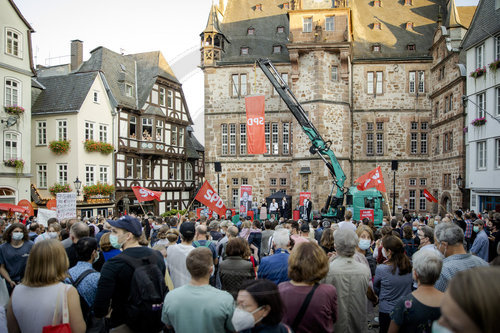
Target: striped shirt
(454,264)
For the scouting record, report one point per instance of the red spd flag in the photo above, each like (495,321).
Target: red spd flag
(371,179)
(429,196)
(256,141)
(143,194)
(207,196)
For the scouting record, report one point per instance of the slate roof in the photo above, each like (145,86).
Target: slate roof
(193,146)
(150,65)
(118,69)
(486,22)
(241,15)
(154,110)
(64,93)
(393,35)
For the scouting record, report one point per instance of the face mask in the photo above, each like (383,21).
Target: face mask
(113,239)
(97,257)
(243,320)
(17,235)
(364,244)
(476,229)
(384,223)
(52,235)
(436,222)
(156,226)
(436,328)
(414,228)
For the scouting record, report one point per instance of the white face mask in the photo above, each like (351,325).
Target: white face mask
(17,235)
(52,234)
(243,320)
(364,244)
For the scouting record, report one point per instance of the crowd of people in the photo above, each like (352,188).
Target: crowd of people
(155,274)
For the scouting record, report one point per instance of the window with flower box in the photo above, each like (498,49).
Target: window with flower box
(12,145)
(12,92)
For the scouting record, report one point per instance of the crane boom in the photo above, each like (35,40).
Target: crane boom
(318,144)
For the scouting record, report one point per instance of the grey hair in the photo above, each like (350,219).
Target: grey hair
(281,238)
(449,233)
(428,232)
(427,264)
(232,231)
(345,241)
(226,224)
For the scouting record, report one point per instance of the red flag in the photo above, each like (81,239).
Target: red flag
(371,179)
(207,196)
(429,196)
(256,141)
(143,194)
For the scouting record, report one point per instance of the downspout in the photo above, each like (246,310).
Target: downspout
(351,107)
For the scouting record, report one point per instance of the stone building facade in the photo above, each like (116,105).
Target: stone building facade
(362,72)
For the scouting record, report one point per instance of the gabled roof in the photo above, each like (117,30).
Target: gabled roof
(119,71)
(486,22)
(394,37)
(64,93)
(21,15)
(241,15)
(150,66)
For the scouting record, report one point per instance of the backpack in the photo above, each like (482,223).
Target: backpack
(147,293)
(207,244)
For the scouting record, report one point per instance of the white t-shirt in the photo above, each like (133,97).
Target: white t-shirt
(176,262)
(273,207)
(347,225)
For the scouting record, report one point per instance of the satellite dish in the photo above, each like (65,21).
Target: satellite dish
(11,121)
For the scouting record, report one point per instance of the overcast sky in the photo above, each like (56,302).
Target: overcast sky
(129,26)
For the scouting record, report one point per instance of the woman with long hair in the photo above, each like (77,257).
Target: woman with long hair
(392,278)
(46,270)
(327,241)
(235,269)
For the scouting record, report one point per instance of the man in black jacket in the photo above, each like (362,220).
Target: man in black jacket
(116,274)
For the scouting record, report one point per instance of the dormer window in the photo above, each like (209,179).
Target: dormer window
(129,90)
(258,6)
(286,5)
(377,26)
(280,30)
(277,49)
(409,25)
(377,3)
(408,2)
(376,48)
(251,31)
(411,47)
(244,51)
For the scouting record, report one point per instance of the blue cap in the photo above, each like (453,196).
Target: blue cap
(128,223)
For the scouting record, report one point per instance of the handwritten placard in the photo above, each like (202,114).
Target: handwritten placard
(66,205)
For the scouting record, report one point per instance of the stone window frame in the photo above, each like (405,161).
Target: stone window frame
(280,29)
(448,142)
(251,31)
(334,76)
(416,136)
(374,74)
(446,181)
(224,140)
(419,86)
(244,50)
(412,198)
(235,88)
(372,135)
(277,49)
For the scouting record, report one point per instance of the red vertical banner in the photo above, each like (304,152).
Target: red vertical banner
(303,196)
(256,141)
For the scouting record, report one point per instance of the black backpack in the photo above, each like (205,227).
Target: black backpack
(147,293)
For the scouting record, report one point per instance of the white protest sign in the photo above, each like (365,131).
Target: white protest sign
(66,205)
(44,215)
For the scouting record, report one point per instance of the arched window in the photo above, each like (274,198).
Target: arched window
(189,171)
(12,145)
(12,92)
(7,195)
(13,42)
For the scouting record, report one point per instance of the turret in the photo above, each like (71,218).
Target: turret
(212,40)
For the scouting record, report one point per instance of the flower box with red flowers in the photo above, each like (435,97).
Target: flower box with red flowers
(494,65)
(58,188)
(478,122)
(59,146)
(102,147)
(98,189)
(14,109)
(478,72)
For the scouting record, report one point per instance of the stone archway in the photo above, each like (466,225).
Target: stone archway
(446,204)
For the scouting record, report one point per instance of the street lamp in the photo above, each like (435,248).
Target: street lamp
(78,186)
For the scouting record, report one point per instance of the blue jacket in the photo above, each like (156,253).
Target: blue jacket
(275,267)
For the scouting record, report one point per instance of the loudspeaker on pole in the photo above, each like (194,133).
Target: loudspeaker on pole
(218,167)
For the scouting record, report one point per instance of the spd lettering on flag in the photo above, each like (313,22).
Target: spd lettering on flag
(144,194)
(256,142)
(207,196)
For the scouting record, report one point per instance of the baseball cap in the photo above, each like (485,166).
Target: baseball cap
(128,223)
(479,222)
(187,229)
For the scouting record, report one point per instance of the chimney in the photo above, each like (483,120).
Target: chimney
(76,54)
